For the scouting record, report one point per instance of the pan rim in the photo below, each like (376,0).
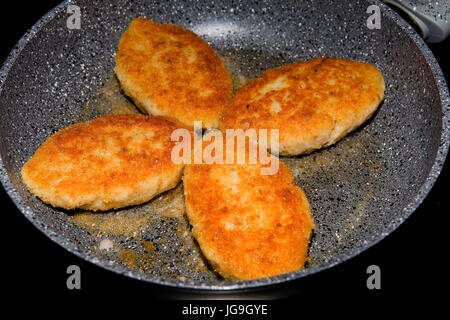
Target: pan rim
(224,286)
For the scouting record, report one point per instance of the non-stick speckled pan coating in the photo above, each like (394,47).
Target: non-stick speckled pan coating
(360,190)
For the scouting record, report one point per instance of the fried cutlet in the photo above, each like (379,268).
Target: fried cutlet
(110,162)
(248,225)
(170,71)
(313,103)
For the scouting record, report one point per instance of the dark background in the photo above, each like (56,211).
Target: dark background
(411,258)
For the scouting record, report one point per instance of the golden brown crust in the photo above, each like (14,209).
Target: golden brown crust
(248,225)
(312,103)
(170,71)
(110,162)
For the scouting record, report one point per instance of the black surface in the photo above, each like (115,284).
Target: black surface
(411,258)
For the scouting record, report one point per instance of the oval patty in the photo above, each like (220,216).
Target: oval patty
(170,71)
(248,225)
(313,103)
(110,162)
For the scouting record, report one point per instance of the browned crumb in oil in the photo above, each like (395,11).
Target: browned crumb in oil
(129,224)
(132,224)
(128,257)
(134,259)
(149,247)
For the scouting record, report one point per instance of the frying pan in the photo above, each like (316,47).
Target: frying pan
(360,190)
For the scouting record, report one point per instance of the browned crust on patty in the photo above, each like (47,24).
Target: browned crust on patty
(110,162)
(248,225)
(170,71)
(313,103)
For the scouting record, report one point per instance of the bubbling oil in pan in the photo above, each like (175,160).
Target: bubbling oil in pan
(155,237)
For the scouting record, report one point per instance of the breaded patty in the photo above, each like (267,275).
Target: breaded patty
(313,103)
(170,71)
(248,225)
(110,162)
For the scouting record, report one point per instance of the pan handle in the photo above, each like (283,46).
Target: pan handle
(432,17)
